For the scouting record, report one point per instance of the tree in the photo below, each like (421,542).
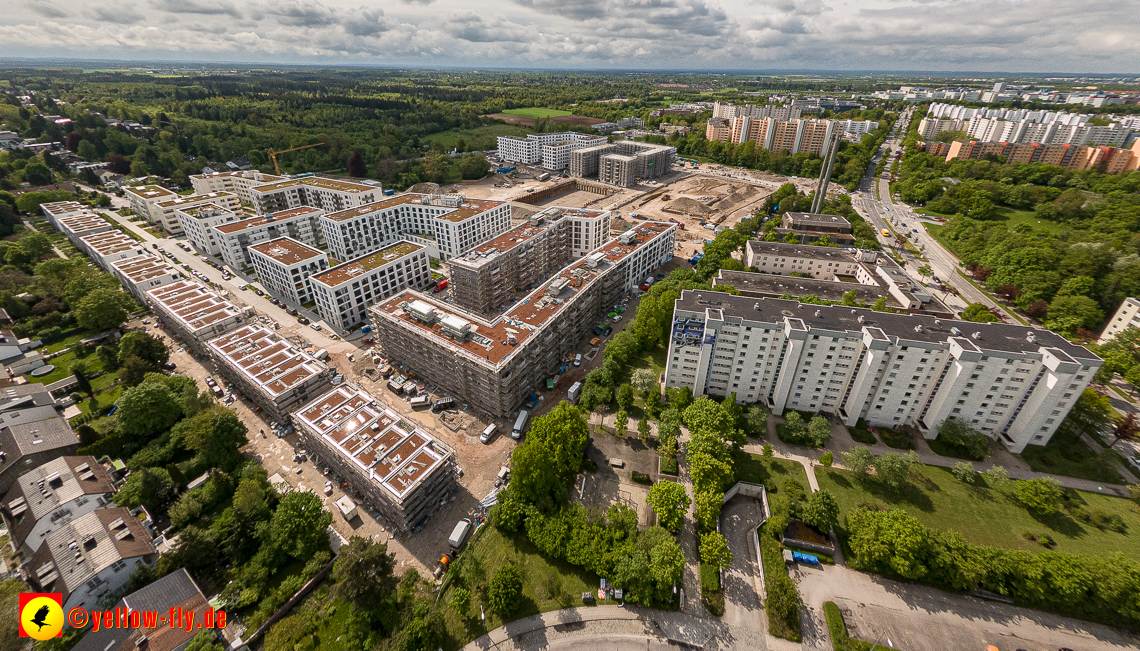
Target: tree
(793,422)
(134,371)
(1125,429)
(108,356)
(299,523)
(709,503)
(964,472)
(505,590)
(998,477)
(118,163)
(461,602)
(34,245)
(643,430)
(149,487)
(355,164)
(679,397)
(436,166)
(715,551)
(206,640)
(621,422)
(644,380)
(756,421)
(894,469)
(216,436)
(666,562)
(147,410)
(888,541)
(103,309)
(625,396)
(819,430)
(37,174)
(1132,377)
(79,370)
(821,510)
(826,459)
(139,344)
(925,271)
(139,168)
(978,313)
(364,572)
(1042,496)
(670,502)
(1091,413)
(1069,313)
(473,165)
(959,434)
(545,464)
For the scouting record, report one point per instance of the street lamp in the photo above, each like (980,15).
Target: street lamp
(881,636)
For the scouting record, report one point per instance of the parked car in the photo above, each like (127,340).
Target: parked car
(315,326)
(302,320)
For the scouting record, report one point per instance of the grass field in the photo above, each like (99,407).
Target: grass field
(536,113)
(986,517)
(479,138)
(1008,217)
(756,469)
(1069,456)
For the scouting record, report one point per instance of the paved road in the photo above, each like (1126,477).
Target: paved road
(741,582)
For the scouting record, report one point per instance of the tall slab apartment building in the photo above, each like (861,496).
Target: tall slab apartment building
(329,195)
(494,363)
(1013,383)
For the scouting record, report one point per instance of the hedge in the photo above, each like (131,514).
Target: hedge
(837,628)
(783,602)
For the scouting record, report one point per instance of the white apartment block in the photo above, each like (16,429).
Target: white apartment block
(142,197)
(198,224)
(1126,316)
(48,497)
(165,213)
(724,110)
(446,225)
(823,262)
(143,273)
(857,127)
(53,211)
(78,226)
(284,267)
(330,195)
(1013,383)
(106,247)
(192,312)
(552,150)
(344,293)
(239,183)
(235,238)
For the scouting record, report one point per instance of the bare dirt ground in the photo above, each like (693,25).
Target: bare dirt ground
(576,120)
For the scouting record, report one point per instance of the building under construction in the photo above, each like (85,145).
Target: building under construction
(486,278)
(494,364)
(622,163)
(389,463)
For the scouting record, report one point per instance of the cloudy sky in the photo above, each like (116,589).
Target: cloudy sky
(935,35)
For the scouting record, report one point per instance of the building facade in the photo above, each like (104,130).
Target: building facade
(552,150)
(235,238)
(392,465)
(623,163)
(1126,316)
(1013,383)
(344,293)
(328,195)
(166,213)
(239,183)
(192,312)
(142,197)
(198,224)
(144,272)
(494,364)
(284,267)
(52,495)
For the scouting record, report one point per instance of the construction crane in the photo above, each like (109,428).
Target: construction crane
(273,154)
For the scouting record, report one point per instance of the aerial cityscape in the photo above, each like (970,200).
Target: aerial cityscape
(587,327)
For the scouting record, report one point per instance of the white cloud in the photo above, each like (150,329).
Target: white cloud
(1001,35)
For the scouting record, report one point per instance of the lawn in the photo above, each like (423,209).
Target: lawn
(536,113)
(654,359)
(547,584)
(757,469)
(63,362)
(1067,455)
(479,138)
(985,517)
(1009,217)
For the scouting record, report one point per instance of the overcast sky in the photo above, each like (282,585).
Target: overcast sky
(936,35)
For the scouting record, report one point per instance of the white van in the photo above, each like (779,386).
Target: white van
(488,433)
(459,534)
(420,401)
(520,425)
(578,359)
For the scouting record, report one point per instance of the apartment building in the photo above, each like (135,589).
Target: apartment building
(198,224)
(30,438)
(329,195)
(53,211)
(269,369)
(1013,383)
(486,278)
(823,262)
(90,557)
(718,129)
(193,313)
(78,226)
(445,225)
(284,267)
(552,150)
(235,238)
(51,495)
(730,111)
(397,468)
(929,127)
(1108,160)
(142,197)
(623,163)
(175,590)
(144,272)
(239,183)
(344,293)
(1126,316)
(166,213)
(105,247)
(493,364)
(811,227)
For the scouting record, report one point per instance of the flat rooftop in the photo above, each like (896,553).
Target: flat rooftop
(142,267)
(192,304)
(110,242)
(805,251)
(196,198)
(816,219)
(753,284)
(86,222)
(317,182)
(150,192)
(241,174)
(262,220)
(521,234)
(991,336)
(287,251)
(60,207)
(203,210)
(272,363)
(381,444)
(487,340)
(346,271)
(467,209)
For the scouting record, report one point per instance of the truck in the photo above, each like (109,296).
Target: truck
(575,392)
(544,176)
(440,286)
(321,354)
(520,425)
(459,534)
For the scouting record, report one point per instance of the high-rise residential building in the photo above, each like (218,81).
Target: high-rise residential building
(235,238)
(239,183)
(623,163)
(344,293)
(551,150)
(192,312)
(166,213)
(1126,316)
(493,364)
(270,370)
(399,469)
(445,225)
(328,195)
(1015,384)
(485,279)
(198,224)
(1108,160)
(730,111)
(284,267)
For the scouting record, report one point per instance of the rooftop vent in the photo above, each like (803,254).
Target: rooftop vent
(1031,337)
(976,335)
(918,328)
(956,332)
(818,313)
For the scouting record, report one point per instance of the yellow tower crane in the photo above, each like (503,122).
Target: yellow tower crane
(273,154)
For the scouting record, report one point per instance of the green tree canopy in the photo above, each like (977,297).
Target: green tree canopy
(670,501)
